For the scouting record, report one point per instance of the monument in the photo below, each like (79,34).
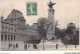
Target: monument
(51,21)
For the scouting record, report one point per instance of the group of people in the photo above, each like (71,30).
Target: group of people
(28,46)
(13,45)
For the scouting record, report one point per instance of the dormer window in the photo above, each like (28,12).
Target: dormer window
(11,21)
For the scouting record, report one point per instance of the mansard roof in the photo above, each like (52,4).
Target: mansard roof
(15,14)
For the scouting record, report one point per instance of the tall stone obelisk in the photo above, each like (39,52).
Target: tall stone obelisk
(51,22)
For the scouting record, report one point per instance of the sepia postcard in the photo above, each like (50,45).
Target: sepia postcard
(39,25)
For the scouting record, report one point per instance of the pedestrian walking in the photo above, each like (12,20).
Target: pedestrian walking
(56,46)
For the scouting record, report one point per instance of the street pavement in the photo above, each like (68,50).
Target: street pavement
(48,45)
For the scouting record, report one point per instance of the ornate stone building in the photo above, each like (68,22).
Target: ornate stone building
(31,32)
(15,32)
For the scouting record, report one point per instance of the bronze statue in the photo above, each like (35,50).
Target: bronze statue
(51,4)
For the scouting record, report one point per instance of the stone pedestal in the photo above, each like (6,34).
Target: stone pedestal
(51,22)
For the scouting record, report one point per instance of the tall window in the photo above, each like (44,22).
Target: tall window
(1,36)
(8,29)
(11,37)
(14,30)
(2,28)
(14,37)
(5,37)
(8,37)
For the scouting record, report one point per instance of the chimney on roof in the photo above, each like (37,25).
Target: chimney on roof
(2,18)
(13,10)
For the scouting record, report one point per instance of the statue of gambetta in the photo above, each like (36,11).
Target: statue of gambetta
(51,4)
(51,21)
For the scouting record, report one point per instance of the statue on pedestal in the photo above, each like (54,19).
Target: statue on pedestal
(51,4)
(51,21)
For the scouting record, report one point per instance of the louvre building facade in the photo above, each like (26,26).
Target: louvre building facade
(15,32)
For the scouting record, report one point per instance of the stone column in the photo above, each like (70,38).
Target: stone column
(51,21)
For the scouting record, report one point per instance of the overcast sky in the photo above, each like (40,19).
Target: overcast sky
(66,11)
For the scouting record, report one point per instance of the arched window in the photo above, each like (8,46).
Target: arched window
(11,37)
(2,37)
(8,37)
(5,37)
